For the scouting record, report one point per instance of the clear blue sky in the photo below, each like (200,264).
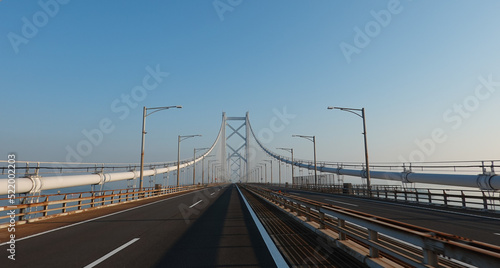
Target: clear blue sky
(409,71)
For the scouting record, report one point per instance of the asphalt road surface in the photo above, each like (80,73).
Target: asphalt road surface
(206,228)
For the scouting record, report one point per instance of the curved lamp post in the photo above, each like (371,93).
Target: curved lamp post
(291,151)
(144,115)
(181,138)
(203,169)
(208,171)
(194,164)
(270,161)
(362,115)
(313,139)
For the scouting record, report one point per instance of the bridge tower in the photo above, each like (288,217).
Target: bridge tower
(237,145)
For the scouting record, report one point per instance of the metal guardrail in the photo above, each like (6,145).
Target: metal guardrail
(376,237)
(463,199)
(32,208)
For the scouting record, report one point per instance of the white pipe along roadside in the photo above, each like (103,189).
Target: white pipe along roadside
(34,184)
(486,181)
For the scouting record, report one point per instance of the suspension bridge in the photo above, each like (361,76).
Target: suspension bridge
(232,213)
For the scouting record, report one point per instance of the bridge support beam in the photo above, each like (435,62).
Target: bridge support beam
(236,161)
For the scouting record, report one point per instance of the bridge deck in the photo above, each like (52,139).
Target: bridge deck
(179,231)
(301,246)
(479,226)
(224,236)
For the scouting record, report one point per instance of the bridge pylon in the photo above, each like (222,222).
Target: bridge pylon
(237,146)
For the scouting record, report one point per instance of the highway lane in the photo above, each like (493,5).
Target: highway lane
(484,227)
(139,237)
(225,236)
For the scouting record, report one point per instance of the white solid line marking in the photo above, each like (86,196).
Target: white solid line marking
(275,253)
(104,216)
(195,204)
(342,202)
(111,253)
(496,233)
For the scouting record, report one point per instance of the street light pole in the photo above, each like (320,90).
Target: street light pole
(260,173)
(142,145)
(181,138)
(208,171)
(291,151)
(203,169)
(214,172)
(313,139)
(144,115)
(367,163)
(265,172)
(270,161)
(194,163)
(279,171)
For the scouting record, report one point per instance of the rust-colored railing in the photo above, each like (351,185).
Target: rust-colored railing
(452,198)
(376,237)
(31,208)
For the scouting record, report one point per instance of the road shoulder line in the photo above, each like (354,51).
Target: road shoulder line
(275,253)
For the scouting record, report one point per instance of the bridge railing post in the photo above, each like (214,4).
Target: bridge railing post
(485,201)
(430,257)
(341,225)
(64,204)
(445,198)
(22,211)
(321,220)
(373,237)
(46,207)
(79,202)
(297,209)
